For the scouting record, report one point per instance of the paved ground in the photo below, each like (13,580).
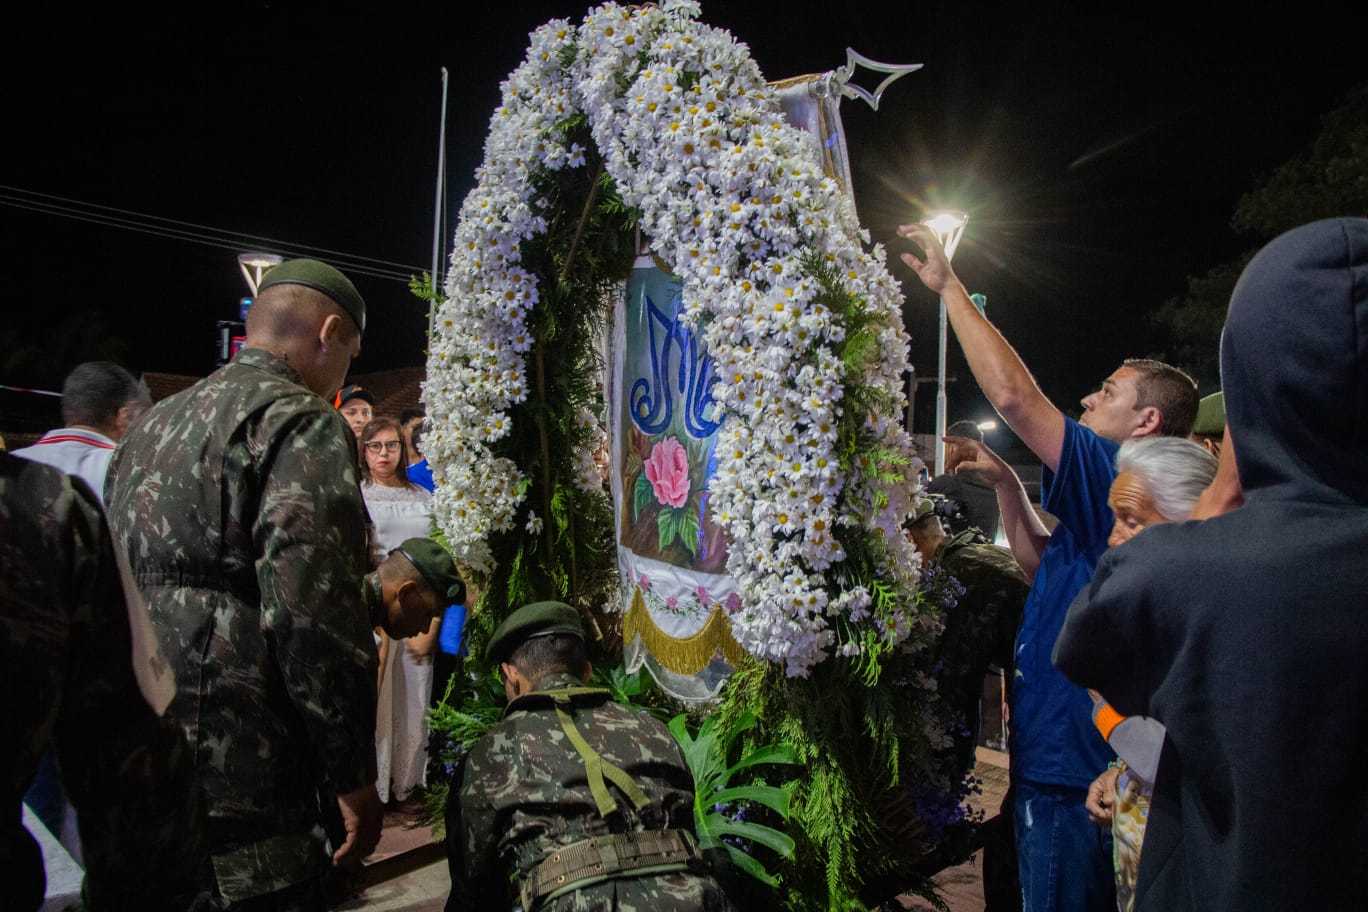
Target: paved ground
(409,872)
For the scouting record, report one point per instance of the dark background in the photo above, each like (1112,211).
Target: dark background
(1100,155)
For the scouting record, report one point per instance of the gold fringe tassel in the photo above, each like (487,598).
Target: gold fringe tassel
(689,655)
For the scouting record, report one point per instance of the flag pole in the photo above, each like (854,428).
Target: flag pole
(437,215)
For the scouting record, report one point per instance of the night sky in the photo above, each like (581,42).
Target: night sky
(1100,156)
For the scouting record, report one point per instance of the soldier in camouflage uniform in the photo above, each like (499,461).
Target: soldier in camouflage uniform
(66,653)
(413,585)
(573,801)
(237,502)
(980,630)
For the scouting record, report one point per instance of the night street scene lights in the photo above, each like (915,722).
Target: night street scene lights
(948,227)
(254,266)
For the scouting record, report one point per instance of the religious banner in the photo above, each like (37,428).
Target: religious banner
(671,555)
(676,594)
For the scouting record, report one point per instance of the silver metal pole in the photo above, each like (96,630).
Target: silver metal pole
(437,215)
(940,393)
(948,228)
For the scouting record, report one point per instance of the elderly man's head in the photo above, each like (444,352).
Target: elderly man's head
(312,316)
(1158,480)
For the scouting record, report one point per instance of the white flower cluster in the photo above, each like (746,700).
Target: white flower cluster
(735,201)
(587,474)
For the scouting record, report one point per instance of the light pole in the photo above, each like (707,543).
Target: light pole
(253,265)
(948,227)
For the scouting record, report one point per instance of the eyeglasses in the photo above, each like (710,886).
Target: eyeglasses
(376,446)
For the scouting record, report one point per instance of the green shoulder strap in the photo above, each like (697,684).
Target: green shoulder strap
(595,767)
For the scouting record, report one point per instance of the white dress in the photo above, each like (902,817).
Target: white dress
(401,730)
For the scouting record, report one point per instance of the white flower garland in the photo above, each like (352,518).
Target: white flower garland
(732,198)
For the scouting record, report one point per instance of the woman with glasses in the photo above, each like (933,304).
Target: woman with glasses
(399,509)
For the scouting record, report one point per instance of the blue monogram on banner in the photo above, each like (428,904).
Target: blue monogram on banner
(652,398)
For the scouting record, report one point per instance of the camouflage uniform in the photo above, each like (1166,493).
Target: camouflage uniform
(981,629)
(65,650)
(522,794)
(238,503)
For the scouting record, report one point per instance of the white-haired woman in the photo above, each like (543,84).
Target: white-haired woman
(1158,480)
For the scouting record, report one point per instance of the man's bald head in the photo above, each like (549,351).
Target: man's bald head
(307,329)
(285,311)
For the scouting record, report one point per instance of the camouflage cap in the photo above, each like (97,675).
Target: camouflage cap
(1211,420)
(321,278)
(536,620)
(435,564)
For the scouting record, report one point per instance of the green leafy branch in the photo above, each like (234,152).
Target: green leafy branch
(707,758)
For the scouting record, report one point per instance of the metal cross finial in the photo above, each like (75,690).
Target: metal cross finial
(853,59)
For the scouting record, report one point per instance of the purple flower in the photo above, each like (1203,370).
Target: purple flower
(704,598)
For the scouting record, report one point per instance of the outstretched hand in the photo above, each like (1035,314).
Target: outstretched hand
(934,268)
(967,454)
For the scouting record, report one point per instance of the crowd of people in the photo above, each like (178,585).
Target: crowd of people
(227,608)
(1173,686)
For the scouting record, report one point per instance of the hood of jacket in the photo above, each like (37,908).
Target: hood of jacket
(1294,366)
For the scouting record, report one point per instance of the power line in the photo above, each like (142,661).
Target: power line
(159,226)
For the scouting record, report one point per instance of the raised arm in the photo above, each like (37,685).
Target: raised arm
(997,368)
(1026,533)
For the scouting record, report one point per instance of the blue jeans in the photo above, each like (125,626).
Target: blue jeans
(1065,860)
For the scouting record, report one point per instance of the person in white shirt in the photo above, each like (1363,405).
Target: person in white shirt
(100,401)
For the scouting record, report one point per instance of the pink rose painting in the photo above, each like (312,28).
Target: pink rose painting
(665,478)
(667,470)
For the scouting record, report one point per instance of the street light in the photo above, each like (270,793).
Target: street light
(254,265)
(948,227)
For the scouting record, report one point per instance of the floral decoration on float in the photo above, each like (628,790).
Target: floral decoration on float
(802,320)
(644,121)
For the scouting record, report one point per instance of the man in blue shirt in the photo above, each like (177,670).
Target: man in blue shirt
(1056,751)
(412,422)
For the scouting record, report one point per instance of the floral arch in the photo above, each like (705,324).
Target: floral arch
(643,122)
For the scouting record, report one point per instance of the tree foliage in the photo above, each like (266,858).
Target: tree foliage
(1328,179)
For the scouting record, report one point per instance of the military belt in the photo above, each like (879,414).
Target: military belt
(601,858)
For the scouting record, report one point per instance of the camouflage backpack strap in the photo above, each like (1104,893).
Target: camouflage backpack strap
(970,536)
(595,767)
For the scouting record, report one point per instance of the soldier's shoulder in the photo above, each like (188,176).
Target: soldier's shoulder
(42,496)
(985,558)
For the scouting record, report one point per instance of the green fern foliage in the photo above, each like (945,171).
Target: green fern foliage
(720,806)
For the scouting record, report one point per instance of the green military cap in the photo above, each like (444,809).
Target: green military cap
(322,278)
(965,428)
(1211,420)
(530,621)
(436,566)
(925,507)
